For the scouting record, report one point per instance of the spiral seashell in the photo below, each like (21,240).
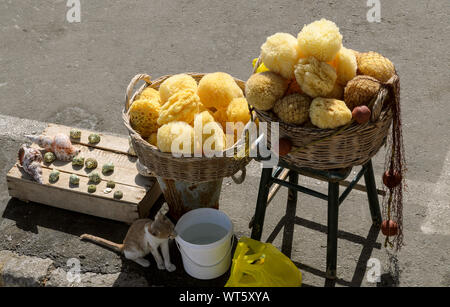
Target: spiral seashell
(60,145)
(30,160)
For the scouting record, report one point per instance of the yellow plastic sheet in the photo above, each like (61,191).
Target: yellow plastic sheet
(261,68)
(257,264)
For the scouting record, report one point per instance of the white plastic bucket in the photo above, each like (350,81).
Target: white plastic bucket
(205,261)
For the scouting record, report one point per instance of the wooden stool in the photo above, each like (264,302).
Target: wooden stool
(334,178)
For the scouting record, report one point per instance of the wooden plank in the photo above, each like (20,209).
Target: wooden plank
(75,199)
(107,142)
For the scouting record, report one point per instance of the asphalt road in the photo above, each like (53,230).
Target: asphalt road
(77,73)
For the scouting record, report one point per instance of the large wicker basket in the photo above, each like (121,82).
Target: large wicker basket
(165,165)
(347,146)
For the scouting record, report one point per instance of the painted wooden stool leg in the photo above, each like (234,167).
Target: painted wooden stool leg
(291,208)
(333,215)
(261,204)
(372,195)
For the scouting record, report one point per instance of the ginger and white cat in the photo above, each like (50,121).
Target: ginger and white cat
(143,237)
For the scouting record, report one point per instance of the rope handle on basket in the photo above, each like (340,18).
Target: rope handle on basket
(130,87)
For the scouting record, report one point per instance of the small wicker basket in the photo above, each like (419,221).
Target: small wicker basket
(190,169)
(347,146)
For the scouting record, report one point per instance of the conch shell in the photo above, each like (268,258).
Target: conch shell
(59,144)
(30,159)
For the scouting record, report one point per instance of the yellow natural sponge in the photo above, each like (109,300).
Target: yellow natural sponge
(280,53)
(375,65)
(217,90)
(148,93)
(262,90)
(315,78)
(346,65)
(152,139)
(329,113)
(181,106)
(178,134)
(144,116)
(293,109)
(320,39)
(175,84)
(221,117)
(238,111)
(212,138)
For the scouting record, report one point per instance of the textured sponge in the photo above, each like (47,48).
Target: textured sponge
(280,53)
(293,109)
(175,84)
(181,106)
(360,91)
(329,113)
(148,94)
(144,115)
(346,65)
(315,78)
(178,134)
(375,65)
(264,89)
(238,111)
(217,90)
(320,39)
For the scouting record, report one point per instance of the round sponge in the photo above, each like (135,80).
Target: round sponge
(315,78)
(217,90)
(148,94)
(293,109)
(264,89)
(144,115)
(329,113)
(346,65)
(375,65)
(175,84)
(360,91)
(181,106)
(178,134)
(238,111)
(320,39)
(280,53)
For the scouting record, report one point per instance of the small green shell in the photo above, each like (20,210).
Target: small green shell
(94,138)
(78,161)
(75,134)
(49,157)
(74,179)
(107,168)
(92,188)
(54,176)
(111,184)
(118,194)
(91,163)
(95,178)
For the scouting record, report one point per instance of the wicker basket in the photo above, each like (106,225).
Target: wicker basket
(190,169)
(351,145)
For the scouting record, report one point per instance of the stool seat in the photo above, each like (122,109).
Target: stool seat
(331,175)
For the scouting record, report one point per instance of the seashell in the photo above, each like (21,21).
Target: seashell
(75,134)
(30,160)
(91,163)
(107,168)
(118,194)
(92,188)
(111,184)
(54,176)
(78,161)
(94,138)
(94,178)
(107,190)
(49,157)
(60,145)
(74,179)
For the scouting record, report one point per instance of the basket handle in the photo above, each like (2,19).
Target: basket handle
(131,86)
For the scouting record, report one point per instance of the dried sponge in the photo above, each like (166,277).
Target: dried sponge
(375,65)
(293,109)
(217,90)
(346,65)
(315,78)
(179,135)
(152,139)
(329,113)
(181,106)
(175,84)
(320,39)
(280,53)
(360,91)
(221,117)
(144,116)
(264,89)
(212,138)
(238,111)
(337,92)
(149,93)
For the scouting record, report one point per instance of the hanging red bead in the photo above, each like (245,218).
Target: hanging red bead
(392,179)
(389,228)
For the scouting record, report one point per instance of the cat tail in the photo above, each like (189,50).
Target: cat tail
(103,242)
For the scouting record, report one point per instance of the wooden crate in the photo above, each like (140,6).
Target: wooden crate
(139,193)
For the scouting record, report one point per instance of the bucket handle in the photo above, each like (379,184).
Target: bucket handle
(206,266)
